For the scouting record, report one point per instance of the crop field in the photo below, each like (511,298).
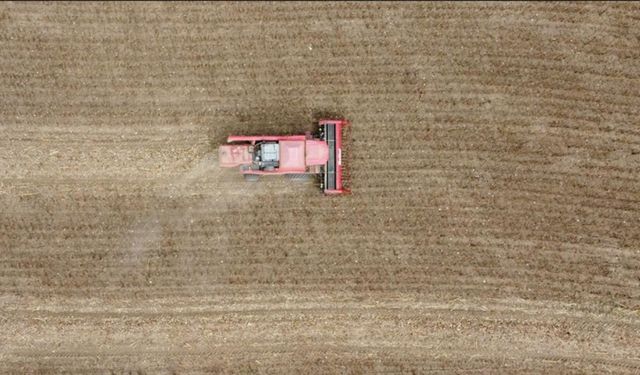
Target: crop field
(494,161)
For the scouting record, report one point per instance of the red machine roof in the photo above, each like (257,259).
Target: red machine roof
(292,156)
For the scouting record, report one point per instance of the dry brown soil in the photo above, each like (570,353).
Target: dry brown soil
(495,168)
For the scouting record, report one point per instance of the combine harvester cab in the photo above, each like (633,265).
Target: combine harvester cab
(295,156)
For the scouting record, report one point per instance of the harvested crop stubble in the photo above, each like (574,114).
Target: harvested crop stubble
(495,170)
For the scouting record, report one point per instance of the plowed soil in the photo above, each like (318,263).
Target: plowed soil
(494,225)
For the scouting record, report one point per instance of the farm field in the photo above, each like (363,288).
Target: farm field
(494,159)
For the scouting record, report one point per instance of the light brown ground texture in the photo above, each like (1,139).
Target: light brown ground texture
(495,168)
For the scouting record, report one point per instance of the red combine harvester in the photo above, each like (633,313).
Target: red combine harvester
(295,156)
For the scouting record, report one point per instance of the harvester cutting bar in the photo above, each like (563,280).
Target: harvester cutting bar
(332,130)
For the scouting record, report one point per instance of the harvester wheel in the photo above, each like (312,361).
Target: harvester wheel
(251,177)
(299,177)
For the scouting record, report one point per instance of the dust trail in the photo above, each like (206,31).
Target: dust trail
(144,236)
(204,190)
(206,178)
(146,232)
